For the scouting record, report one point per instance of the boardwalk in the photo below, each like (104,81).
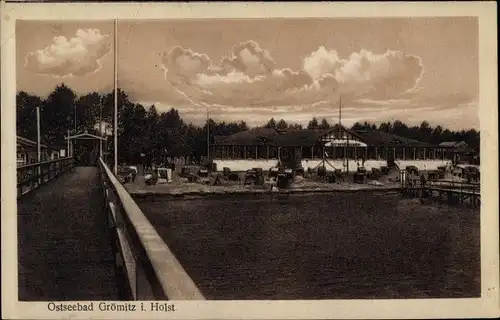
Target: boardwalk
(64,245)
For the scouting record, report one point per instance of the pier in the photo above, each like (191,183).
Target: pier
(82,237)
(450,192)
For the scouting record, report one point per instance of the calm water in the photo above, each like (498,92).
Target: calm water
(322,246)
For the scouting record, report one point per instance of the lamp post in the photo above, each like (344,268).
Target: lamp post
(38,138)
(208,136)
(100,130)
(38,145)
(116,101)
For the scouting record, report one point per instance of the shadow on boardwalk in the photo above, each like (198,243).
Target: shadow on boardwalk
(64,250)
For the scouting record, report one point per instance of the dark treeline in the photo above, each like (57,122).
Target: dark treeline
(142,129)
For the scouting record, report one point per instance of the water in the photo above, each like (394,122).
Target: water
(322,246)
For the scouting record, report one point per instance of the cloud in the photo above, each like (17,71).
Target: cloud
(77,56)
(247,84)
(380,76)
(248,76)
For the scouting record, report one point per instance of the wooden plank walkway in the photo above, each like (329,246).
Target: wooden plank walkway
(64,249)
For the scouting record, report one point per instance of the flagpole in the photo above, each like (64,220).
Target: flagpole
(75,119)
(38,143)
(68,155)
(100,129)
(116,101)
(38,138)
(340,117)
(208,136)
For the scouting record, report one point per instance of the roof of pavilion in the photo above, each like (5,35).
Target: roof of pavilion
(310,137)
(85,135)
(274,137)
(21,141)
(380,138)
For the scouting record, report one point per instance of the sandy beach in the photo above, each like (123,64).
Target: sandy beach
(203,188)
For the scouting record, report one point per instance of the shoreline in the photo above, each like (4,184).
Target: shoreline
(143,194)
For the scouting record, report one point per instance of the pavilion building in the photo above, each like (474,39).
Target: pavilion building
(338,149)
(27,151)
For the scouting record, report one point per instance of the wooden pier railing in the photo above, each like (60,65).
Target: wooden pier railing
(146,268)
(31,176)
(449,191)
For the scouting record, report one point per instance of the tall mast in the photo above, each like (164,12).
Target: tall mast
(116,100)
(208,135)
(340,117)
(100,129)
(38,138)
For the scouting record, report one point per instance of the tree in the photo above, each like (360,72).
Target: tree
(436,134)
(145,130)
(282,124)
(57,116)
(87,111)
(26,115)
(357,126)
(271,124)
(313,124)
(385,127)
(295,126)
(324,124)
(399,128)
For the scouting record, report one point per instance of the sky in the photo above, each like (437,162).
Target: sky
(379,69)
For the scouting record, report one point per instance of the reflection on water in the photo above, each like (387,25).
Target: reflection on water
(322,246)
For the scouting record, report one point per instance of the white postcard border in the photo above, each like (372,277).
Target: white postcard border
(486,306)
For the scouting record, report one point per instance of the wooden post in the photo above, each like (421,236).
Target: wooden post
(115,127)
(312,152)
(38,136)
(256,152)
(414,153)
(404,153)
(425,153)
(376,152)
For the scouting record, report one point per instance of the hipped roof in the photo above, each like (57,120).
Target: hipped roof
(310,137)
(274,137)
(380,138)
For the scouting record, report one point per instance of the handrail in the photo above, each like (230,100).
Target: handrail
(453,184)
(149,269)
(43,162)
(32,176)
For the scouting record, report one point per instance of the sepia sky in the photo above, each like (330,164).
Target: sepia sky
(384,69)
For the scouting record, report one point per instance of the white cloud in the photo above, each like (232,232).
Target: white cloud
(247,85)
(77,56)
(248,76)
(379,75)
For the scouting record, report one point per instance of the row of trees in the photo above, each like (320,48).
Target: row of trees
(145,130)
